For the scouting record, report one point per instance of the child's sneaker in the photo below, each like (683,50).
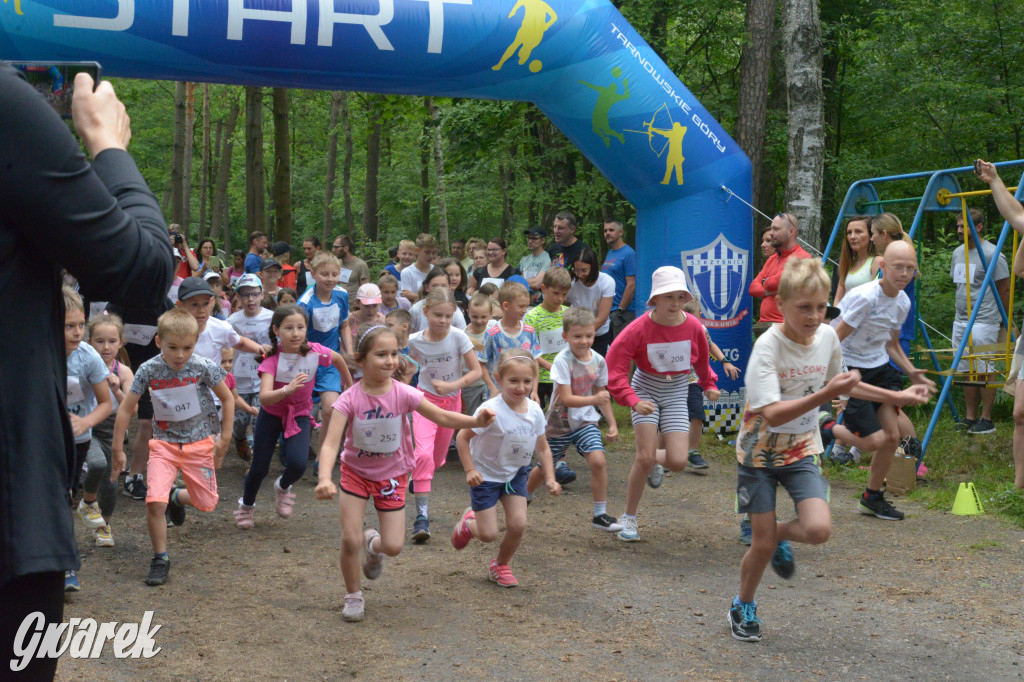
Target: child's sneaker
(71,582)
(880,508)
(354,609)
(461,535)
(782,561)
(629,532)
(89,512)
(421,529)
(746,531)
(563,474)
(606,522)
(244,516)
(373,562)
(284,500)
(159,567)
(657,476)
(243,450)
(501,574)
(743,621)
(103,537)
(825,424)
(135,487)
(695,463)
(175,510)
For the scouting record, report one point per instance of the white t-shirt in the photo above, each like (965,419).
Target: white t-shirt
(499,450)
(256,328)
(874,316)
(582,377)
(989,312)
(217,335)
(582,296)
(419,320)
(412,278)
(439,360)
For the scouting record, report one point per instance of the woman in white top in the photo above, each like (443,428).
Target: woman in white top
(594,290)
(858,263)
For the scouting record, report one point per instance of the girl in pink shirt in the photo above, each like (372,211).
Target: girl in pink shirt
(376,459)
(286,398)
(667,345)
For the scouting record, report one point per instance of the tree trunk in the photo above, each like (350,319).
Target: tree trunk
(442,204)
(178,157)
(204,171)
(282,166)
(426,142)
(803,53)
(332,166)
(220,191)
(507,206)
(255,193)
(371,222)
(186,166)
(755,83)
(346,167)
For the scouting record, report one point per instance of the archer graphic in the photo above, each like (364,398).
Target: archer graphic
(17,7)
(536,21)
(673,135)
(607,96)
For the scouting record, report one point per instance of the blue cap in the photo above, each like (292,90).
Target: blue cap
(519,279)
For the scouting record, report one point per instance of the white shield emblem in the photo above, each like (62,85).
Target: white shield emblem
(718,272)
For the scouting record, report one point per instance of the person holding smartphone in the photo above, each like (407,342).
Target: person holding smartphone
(102,223)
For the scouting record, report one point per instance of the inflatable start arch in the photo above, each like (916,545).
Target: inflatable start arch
(579,61)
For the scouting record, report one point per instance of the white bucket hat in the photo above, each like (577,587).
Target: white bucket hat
(665,280)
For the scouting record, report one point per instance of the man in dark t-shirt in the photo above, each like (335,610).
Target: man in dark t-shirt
(566,248)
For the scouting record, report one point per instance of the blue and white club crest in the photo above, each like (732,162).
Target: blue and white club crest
(719,272)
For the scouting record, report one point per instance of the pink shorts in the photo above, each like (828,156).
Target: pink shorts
(387,495)
(195,460)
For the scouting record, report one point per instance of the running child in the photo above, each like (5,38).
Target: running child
(580,378)
(438,350)
(868,327)
(510,332)
(182,385)
(496,458)
(389,298)
(99,493)
(437,278)
(287,296)
(286,399)
(413,274)
(794,368)
(368,300)
(376,459)
(326,308)
(667,345)
(88,403)
(252,322)
(479,313)
(399,321)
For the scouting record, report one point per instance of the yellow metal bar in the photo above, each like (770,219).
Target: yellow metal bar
(976,193)
(967,280)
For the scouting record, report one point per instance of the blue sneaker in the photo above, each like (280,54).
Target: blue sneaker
(421,529)
(629,532)
(746,532)
(71,582)
(782,561)
(743,621)
(563,474)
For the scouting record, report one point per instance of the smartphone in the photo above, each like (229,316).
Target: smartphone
(56,80)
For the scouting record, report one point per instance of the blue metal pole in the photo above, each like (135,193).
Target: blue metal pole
(938,367)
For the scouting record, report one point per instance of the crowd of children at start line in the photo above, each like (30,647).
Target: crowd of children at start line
(380,388)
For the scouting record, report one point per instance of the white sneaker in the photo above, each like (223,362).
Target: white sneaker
(656,476)
(103,537)
(373,562)
(354,609)
(629,532)
(90,514)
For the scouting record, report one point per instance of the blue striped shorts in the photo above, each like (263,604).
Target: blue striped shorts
(670,398)
(587,438)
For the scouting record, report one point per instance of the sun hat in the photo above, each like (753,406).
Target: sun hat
(368,294)
(665,280)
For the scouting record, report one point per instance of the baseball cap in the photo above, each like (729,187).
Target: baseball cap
(248,280)
(519,279)
(369,294)
(211,275)
(270,263)
(280,248)
(536,230)
(193,286)
(665,280)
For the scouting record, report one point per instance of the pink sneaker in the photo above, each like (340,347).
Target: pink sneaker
(922,470)
(461,534)
(284,499)
(243,516)
(373,562)
(501,574)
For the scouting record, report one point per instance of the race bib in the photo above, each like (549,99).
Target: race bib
(172,294)
(175,404)
(578,416)
(517,450)
(309,278)
(378,435)
(139,334)
(75,393)
(960,273)
(808,421)
(245,365)
(551,341)
(235,278)
(496,281)
(345,275)
(97,308)
(326,319)
(290,365)
(669,357)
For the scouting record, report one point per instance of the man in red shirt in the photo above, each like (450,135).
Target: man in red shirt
(784,230)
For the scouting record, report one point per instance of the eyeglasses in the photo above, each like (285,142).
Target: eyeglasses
(493,250)
(902,269)
(533,236)
(254,294)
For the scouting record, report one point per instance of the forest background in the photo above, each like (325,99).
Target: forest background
(818,97)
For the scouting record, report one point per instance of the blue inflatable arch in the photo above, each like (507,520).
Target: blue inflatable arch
(579,61)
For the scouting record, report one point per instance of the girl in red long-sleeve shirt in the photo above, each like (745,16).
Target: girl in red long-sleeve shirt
(667,345)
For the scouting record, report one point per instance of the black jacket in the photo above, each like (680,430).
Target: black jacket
(103,224)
